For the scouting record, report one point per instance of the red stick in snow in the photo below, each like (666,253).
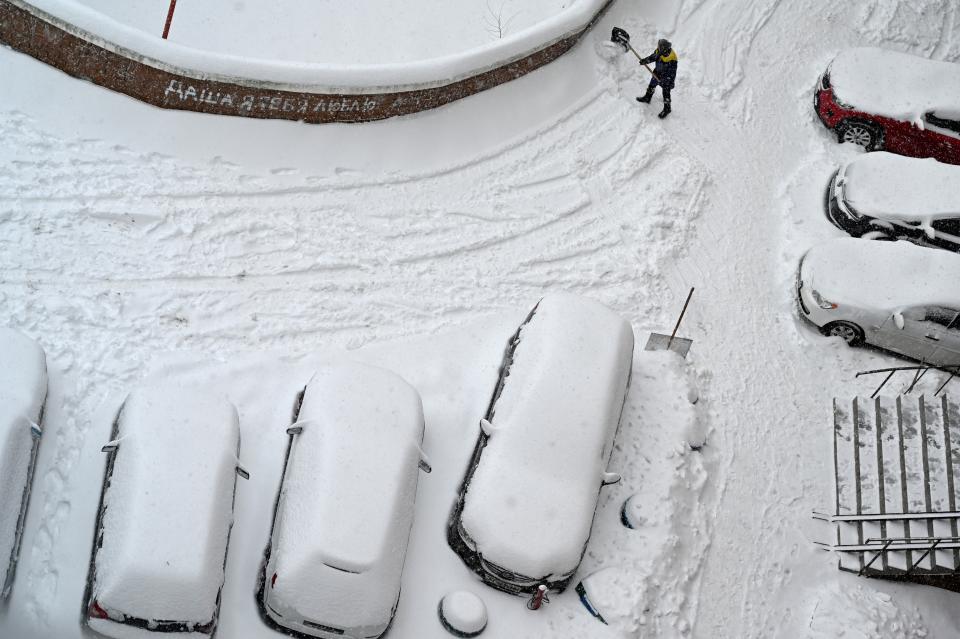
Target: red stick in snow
(166,27)
(538,598)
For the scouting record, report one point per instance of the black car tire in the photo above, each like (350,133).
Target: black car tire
(847,331)
(869,136)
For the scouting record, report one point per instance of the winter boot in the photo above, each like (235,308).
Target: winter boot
(666,110)
(647,96)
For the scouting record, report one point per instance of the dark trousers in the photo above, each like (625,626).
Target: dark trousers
(666,89)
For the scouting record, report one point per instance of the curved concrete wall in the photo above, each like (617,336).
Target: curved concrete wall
(130,62)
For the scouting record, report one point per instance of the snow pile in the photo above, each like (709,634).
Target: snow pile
(892,84)
(664,501)
(853,611)
(347,500)
(169,506)
(882,275)
(894,187)
(312,77)
(530,502)
(23,389)
(463,613)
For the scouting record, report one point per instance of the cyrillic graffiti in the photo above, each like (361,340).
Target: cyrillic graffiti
(179,91)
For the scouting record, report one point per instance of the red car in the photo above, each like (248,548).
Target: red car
(893,101)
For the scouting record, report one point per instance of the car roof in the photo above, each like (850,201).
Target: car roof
(530,502)
(23,389)
(349,487)
(23,380)
(885,276)
(893,84)
(893,187)
(169,505)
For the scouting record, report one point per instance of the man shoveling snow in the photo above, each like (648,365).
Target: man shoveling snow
(664,74)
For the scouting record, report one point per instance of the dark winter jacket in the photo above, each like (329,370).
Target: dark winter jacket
(666,68)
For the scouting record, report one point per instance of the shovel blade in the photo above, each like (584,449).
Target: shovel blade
(621,37)
(661,342)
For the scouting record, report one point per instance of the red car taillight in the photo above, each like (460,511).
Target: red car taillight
(96,612)
(273,580)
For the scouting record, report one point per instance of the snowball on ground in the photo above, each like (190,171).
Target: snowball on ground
(315,77)
(893,187)
(23,389)
(346,504)
(882,275)
(529,505)
(893,84)
(464,611)
(169,506)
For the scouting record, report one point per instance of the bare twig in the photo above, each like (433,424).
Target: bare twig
(494,21)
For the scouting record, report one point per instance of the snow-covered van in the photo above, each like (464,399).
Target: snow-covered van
(344,512)
(888,100)
(886,196)
(166,511)
(23,392)
(526,505)
(894,295)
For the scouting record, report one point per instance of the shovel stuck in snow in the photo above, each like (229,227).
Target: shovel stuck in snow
(621,37)
(679,345)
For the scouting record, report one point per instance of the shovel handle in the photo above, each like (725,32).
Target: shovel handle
(629,46)
(680,319)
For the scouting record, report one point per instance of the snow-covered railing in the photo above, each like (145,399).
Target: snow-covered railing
(897,480)
(88,44)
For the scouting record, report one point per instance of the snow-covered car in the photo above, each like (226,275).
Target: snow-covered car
(894,295)
(888,100)
(527,503)
(165,516)
(23,393)
(344,512)
(886,196)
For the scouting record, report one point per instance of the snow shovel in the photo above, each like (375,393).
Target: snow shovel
(679,345)
(622,38)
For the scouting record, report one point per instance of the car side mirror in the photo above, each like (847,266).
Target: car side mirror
(35,430)
(110,446)
(424,462)
(898,320)
(297,427)
(611,478)
(487,427)
(242,472)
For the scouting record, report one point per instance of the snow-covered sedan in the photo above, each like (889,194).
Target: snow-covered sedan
(166,511)
(886,196)
(23,392)
(345,508)
(888,100)
(526,506)
(894,295)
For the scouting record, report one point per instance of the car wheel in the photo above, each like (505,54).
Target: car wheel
(847,331)
(859,133)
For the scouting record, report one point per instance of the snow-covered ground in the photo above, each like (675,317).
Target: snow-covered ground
(245,253)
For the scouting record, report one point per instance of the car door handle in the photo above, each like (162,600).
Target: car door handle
(933,337)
